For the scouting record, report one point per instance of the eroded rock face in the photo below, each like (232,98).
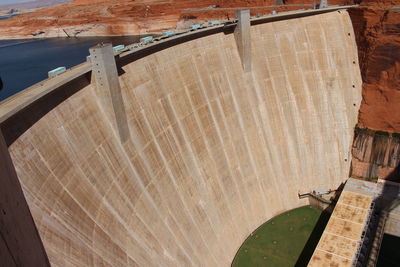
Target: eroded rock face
(102,17)
(375,149)
(121,17)
(376,154)
(378,38)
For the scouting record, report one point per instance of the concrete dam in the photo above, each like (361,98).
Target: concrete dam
(190,156)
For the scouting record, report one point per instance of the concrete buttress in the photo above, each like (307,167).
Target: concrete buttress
(108,87)
(242,37)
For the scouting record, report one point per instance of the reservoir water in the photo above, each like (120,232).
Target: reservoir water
(7,16)
(26,62)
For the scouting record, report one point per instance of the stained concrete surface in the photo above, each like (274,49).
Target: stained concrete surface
(20,244)
(213,152)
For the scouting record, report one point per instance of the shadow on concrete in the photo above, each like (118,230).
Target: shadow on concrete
(389,256)
(394,176)
(388,199)
(16,125)
(20,243)
(385,202)
(313,240)
(319,228)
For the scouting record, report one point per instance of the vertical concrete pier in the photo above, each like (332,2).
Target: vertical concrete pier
(242,37)
(323,4)
(108,87)
(20,244)
(279,2)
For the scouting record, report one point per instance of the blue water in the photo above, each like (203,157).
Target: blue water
(26,62)
(7,16)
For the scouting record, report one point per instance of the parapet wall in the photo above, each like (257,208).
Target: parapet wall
(212,152)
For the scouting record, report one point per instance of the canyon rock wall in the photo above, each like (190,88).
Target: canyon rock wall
(376,154)
(378,39)
(125,17)
(377,28)
(212,153)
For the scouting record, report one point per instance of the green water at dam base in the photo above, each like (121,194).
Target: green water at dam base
(288,239)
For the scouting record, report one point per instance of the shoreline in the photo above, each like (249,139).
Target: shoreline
(79,37)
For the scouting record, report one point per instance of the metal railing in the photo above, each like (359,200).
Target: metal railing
(365,232)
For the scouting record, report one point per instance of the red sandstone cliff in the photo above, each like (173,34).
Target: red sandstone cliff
(376,151)
(120,17)
(378,38)
(97,17)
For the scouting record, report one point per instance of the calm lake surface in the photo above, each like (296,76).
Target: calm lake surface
(7,16)
(26,62)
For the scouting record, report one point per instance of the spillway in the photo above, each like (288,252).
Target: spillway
(211,151)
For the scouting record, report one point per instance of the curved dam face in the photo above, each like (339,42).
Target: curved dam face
(211,152)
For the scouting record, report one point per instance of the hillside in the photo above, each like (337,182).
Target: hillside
(33,4)
(27,7)
(123,17)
